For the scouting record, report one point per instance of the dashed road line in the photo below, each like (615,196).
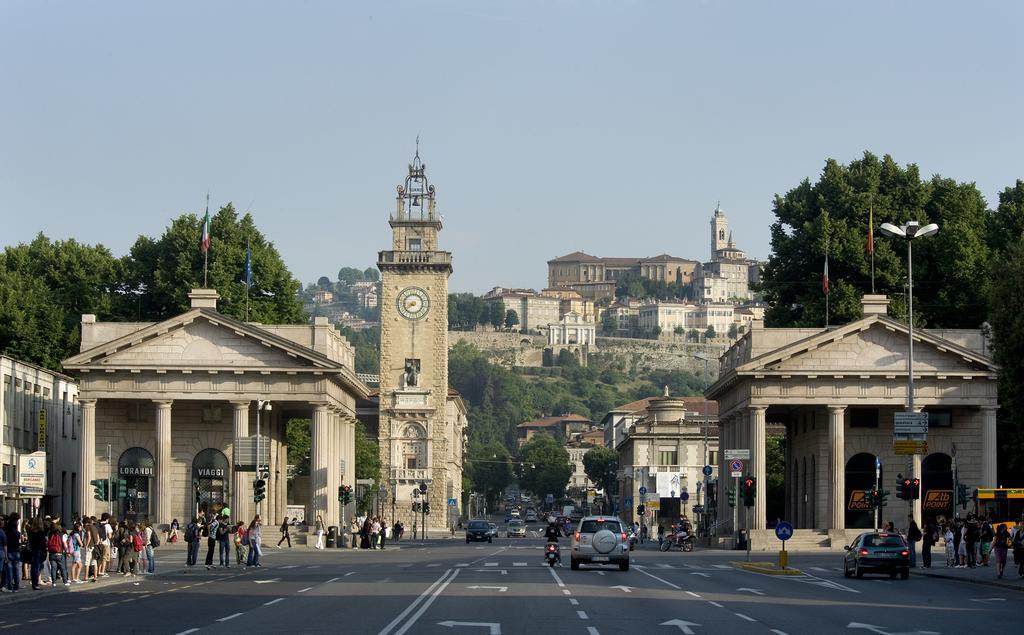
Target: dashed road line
(778,632)
(557,579)
(306,589)
(713,603)
(749,619)
(38,619)
(693,594)
(349,573)
(490,564)
(433,564)
(191,630)
(582,615)
(229,617)
(275,601)
(520,564)
(592,631)
(574,601)
(662,580)
(332,580)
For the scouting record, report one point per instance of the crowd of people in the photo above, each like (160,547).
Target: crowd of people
(220,533)
(972,542)
(45,550)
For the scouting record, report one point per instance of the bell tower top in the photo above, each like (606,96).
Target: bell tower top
(720,235)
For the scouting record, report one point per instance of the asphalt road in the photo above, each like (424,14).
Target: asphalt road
(450,587)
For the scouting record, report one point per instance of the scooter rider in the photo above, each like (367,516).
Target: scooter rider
(553,532)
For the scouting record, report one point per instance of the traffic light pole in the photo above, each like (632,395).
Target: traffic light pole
(878,486)
(110,483)
(736,508)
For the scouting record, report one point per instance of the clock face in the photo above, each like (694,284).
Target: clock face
(413,303)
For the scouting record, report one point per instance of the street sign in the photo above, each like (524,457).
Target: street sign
(423,488)
(783,531)
(628,502)
(735,465)
(32,474)
(655,505)
(550,498)
(910,423)
(698,509)
(737,454)
(707,470)
(452,502)
(910,446)
(685,496)
(643,490)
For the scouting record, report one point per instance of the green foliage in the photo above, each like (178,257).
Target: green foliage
(466,310)
(490,468)
(1006,315)
(633,286)
(950,275)
(609,324)
(1007,225)
(367,345)
(775,474)
(601,465)
(511,319)
(297,433)
(733,331)
(544,467)
(367,455)
(710,332)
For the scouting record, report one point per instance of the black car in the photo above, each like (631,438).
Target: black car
(478,531)
(877,552)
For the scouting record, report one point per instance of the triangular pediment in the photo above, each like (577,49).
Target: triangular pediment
(201,338)
(871,345)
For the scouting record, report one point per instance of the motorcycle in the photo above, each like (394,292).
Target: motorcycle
(684,542)
(552,554)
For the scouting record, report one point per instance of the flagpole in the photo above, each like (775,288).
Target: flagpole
(871,245)
(206,250)
(248,276)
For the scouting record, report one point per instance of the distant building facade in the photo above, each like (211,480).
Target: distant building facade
(581,271)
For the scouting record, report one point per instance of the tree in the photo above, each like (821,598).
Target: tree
(370,274)
(775,474)
(693,335)
(545,467)
(1006,316)
(708,334)
(950,268)
(367,455)
(1007,224)
(496,313)
(609,324)
(348,276)
(734,330)
(601,465)
(324,283)
(367,345)
(490,469)
(678,330)
(511,319)
(299,443)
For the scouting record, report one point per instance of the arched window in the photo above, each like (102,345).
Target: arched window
(209,480)
(937,485)
(860,477)
(136,467)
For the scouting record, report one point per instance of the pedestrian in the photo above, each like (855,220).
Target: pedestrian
(1017,544)
(384,531)
(375,533)
(985,536)
(134,546)
(75,546)
(319,529)
(91,550)
(400,526)
(1000,544)
(4,562)
(364,534)
(152,541)
(37,550)
(255,541)
(55,549)
(105,532)
(913,537)
(661,534)
(192,543)
(972,536)
(12,564)
(241,535)
(354,532)
(927,542)
(224,534)
(284,533)
(947,539)
(210,532)
(643,533)
(172,531)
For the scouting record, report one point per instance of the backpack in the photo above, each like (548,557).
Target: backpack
(190,532)
(154,539)
(137,542)
(205,530)
(54,544)
(245,538)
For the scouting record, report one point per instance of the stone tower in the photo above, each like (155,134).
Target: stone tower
(414,436)
(719,231)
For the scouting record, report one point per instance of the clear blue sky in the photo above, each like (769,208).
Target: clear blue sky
(611,127)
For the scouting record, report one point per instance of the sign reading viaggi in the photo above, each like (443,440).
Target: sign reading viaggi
(32,474)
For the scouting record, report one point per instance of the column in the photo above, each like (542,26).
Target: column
(988,448)
(319,456)
(333,468)
(163,462)
(915,472)
(837,465)
(87,457)
(241,490)
(757,441)
(350,460)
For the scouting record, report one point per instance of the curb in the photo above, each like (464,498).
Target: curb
(995,583)
(767,568)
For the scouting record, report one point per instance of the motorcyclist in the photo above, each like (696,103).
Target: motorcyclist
(682,529)
(553,532)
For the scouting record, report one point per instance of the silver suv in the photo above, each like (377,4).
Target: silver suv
(600,540)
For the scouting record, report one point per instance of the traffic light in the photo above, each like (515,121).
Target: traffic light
(120,488)
(259,490)
(345,494)
(915,489)
(749,491)
(426,508)
(961,495)
(416,506)
(871,498)
(100,489)
(639,510)
(341,493)
(902,487)
(881,497)
(732,497)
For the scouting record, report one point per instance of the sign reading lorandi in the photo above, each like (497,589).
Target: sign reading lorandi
(134,470)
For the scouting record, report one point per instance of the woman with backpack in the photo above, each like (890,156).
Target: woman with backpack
(55,549)
(133,545)
(75,546)
(241,542)
(191,543)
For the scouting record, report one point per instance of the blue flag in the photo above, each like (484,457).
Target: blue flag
(248,265)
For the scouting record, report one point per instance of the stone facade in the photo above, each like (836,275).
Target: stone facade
(836,392)
(165,406)
(421,425)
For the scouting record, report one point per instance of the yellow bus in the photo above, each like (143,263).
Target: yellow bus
(1000,505)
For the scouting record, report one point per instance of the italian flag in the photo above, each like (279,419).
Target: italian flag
(204,243)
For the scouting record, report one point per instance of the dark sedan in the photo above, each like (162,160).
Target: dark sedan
(478,531)
(875,552)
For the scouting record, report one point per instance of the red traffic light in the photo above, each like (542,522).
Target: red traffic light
(748,482)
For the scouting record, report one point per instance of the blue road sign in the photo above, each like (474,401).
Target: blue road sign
(707,470)
(550,498)
(684,496)
(628,502)
(452,502)
(783,531)
(643,490)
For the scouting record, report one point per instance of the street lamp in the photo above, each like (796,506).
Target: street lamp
(909,232)
(707,384)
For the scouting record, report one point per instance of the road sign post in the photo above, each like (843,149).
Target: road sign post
(783,531)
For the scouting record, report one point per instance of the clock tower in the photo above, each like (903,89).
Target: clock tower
(421,434)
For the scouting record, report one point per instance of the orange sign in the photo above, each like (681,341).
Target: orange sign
(858,501)
(938,499)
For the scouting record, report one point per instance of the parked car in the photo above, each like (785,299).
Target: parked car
(600,540)
(515,528)
(478,531)
(877,552)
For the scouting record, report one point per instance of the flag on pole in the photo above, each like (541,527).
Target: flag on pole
(871,232)
(824,276)
(204,242)
(248,265)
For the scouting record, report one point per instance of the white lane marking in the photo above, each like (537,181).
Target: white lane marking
(693,594)
(349,573)
(313,566)
(574,601)
(191,630)
(433,564)
(749,619)
(754,591)
(988,599)
(423,607)
(822,569)
(592,631)
(712,603)
(582,615)
(663,581)
(721,566)
(333,580)
(290,566)
(306,589)
(520,564)
(701,574)
(557,579)
(229,617)
(665,566)
(566,592)
(272,602)
(599,572)
(401,616)
(86,608)
(462,564)
(778,632)
(490,564)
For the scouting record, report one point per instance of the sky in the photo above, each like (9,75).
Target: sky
(547,127)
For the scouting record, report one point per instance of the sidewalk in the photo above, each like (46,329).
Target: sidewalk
(977,575)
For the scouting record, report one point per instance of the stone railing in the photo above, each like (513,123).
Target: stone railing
(415,258)
(410,474)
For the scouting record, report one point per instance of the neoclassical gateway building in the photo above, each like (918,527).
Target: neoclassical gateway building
(173,409)
(836,391)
